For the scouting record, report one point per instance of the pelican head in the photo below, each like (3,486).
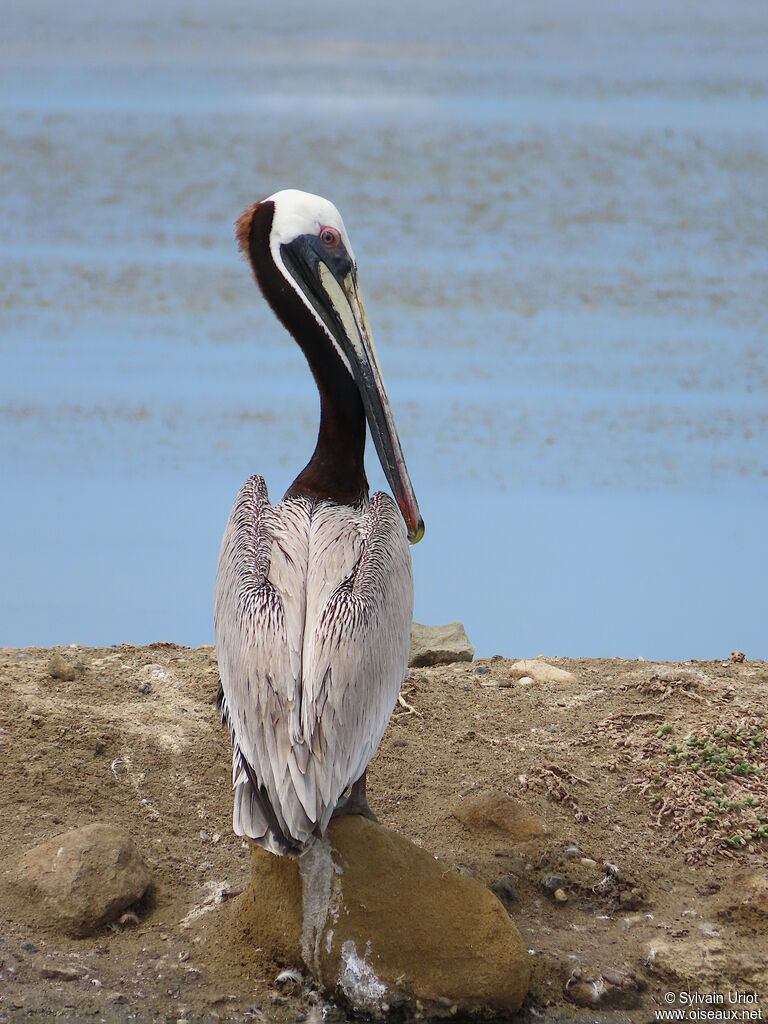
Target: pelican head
(302,238)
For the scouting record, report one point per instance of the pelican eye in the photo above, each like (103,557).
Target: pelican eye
(330,237)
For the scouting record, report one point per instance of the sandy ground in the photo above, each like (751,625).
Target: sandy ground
(645,782)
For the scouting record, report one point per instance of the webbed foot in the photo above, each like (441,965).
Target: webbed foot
(356,802)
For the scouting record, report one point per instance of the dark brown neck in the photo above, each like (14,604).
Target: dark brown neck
(336,470)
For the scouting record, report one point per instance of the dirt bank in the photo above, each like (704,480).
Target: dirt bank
(644,785)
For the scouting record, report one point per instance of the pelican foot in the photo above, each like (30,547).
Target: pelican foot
(355,803)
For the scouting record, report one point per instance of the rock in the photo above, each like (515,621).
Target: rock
(58,668)
(83,879)
(379,922)
(439,645)
(498,813)
(551,883)
(611,989)
(704,959)
(745,900)
(505,889)
(61,973)
(541,672)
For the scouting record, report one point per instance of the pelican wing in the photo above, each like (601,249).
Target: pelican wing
(313,609)
(260,668)
(356,641)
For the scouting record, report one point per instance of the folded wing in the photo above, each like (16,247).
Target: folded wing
(314,602)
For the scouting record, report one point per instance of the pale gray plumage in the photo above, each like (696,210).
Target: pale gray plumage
(314,602)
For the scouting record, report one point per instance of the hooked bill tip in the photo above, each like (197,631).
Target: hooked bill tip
(415,533)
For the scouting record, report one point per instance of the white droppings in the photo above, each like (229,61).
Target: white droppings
(358,980)
(321,898)
(216,893)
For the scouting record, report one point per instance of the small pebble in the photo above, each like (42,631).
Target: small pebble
(505,889)
(481,670)
(549,883)
(29,947)
(398,1000)
(145,686)
(560,895)
(519,865)
(204,837)
(588,862)
(572,851)
(61,973)
(400,743)
(525,680)
(444,1003)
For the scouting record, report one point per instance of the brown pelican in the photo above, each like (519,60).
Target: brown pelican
(314,597)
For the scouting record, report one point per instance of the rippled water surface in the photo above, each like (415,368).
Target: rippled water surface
(560,217)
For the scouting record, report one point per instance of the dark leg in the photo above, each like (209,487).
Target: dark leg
(356,802)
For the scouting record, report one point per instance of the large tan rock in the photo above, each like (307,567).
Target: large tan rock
(439,645)
(83,879)
(381,923)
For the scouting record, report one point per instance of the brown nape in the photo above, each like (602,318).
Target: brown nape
(336,470)
(243,229)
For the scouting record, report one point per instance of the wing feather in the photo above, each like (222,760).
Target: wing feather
(356,652)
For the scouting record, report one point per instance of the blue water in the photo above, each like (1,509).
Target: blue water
(560,216)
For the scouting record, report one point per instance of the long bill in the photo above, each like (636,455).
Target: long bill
(352,332)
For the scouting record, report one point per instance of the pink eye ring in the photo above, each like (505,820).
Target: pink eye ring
(330,237)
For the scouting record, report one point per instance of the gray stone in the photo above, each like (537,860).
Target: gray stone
(550,883)
(505,889)
(82,880)
(439,645)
